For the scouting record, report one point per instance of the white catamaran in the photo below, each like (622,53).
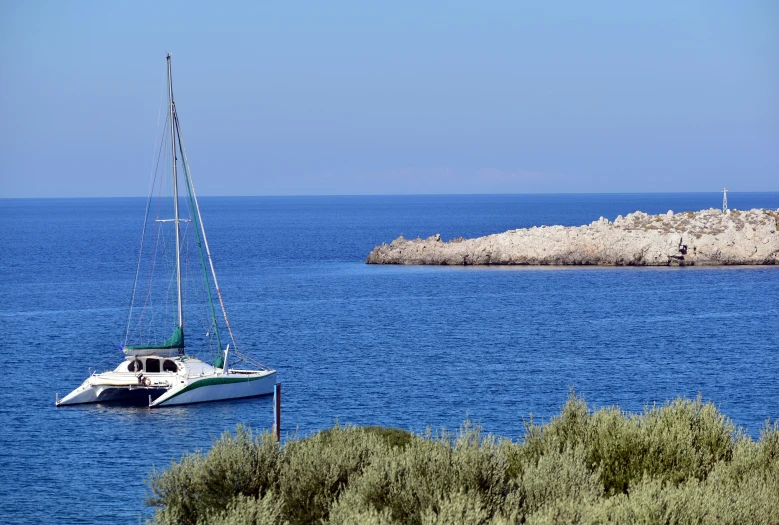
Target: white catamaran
(162,374)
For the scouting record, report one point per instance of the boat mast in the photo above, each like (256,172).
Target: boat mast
(191,186)
(175,196)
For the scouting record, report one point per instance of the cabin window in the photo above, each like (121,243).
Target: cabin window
(135,366)
(169,366)
(152,365)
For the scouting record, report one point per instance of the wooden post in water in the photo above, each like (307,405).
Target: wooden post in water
(277,411)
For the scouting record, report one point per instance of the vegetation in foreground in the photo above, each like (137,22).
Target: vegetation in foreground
(684,462)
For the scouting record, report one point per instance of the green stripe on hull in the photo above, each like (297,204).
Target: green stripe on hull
(211,381)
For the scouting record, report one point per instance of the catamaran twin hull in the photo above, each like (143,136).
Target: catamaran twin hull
(182,381)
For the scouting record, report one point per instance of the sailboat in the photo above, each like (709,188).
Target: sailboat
(162,373)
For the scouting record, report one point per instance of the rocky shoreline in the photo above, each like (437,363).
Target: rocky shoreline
(706,237)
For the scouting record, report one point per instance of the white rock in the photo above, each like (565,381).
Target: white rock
(744,238)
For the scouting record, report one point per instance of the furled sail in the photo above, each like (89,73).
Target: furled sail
(174,342)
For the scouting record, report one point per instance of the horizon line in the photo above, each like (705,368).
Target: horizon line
(272,195)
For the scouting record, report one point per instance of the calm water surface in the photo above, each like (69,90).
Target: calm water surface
(404,346)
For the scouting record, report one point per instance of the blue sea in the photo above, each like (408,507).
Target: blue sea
(411,347)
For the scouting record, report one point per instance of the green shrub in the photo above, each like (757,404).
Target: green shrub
(404,482)
(677,441)
(462,507)
(244,510)
(240,465)
(682,462)
(314,471)
(559,475)
(392,437)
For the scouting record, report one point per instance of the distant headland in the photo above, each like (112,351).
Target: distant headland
(707,237)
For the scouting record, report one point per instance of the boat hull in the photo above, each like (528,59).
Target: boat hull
(183,380)
(218,388)
(134,395)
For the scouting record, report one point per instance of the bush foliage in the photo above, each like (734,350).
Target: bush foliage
(683,462)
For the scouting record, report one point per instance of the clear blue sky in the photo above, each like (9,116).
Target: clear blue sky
(393,97)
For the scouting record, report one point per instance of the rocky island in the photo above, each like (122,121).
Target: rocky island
(707,237)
